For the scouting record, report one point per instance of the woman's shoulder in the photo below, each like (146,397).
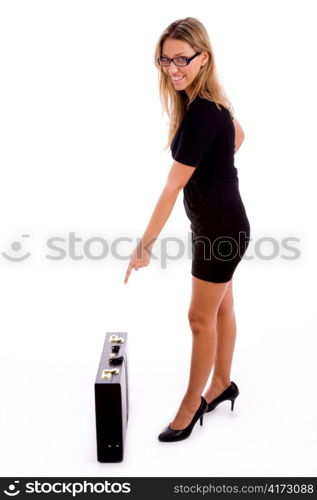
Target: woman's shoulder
(207,104)
(206,108)
(202,110)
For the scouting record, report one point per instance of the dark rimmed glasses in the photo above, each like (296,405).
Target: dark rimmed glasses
(178,61)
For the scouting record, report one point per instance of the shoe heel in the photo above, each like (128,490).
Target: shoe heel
(232,403)
(201,420)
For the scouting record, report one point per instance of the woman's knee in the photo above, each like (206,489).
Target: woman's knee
(205,301)
(200,322)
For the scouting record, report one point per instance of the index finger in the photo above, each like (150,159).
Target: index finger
(127,274)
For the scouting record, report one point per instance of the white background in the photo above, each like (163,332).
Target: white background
(82,137)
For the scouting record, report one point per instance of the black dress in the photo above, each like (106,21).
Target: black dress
(219,223)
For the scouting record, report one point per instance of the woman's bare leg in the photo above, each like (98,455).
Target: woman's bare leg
(202,316)
(226,336)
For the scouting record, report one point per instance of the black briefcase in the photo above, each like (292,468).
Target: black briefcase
(112,398)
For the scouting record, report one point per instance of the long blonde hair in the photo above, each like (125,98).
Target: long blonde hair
(206,83)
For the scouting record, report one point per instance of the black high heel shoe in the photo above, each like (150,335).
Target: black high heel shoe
(169,434)
(231,393)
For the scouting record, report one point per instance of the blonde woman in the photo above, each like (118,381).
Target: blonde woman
(203,137)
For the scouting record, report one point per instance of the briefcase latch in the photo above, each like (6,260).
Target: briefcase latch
(115,338)
(115,360)
(107,374)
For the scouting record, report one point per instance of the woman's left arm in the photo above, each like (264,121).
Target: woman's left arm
(177,179)
(239,134)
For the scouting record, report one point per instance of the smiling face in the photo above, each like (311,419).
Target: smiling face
(182,77)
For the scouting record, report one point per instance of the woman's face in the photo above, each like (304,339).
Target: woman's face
(182,77)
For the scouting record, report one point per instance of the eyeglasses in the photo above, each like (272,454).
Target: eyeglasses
(178,61)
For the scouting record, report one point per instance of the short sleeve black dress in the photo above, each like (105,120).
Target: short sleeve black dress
(219,223)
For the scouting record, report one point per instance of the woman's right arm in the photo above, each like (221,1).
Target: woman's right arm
(239,134)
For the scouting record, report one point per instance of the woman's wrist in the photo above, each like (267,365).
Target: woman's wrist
(147,243)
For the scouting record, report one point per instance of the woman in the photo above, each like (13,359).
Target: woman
(203,138)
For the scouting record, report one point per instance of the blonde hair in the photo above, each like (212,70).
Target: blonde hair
(206,83)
